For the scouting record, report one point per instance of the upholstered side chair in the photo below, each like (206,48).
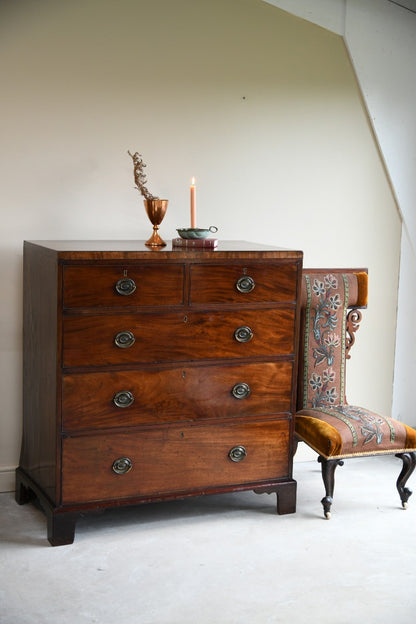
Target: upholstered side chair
(331,312)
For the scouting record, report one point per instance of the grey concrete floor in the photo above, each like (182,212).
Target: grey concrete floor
(224,559)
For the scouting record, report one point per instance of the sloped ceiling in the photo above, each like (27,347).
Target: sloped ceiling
(330,14)
(406,4)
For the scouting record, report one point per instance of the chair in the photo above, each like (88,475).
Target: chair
(330,316)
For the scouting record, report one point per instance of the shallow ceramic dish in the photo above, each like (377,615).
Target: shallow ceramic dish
(197,232)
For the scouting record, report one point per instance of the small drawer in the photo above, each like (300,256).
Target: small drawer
(174,460)
(103,286)
(97,340)
(155,396)
(250,283)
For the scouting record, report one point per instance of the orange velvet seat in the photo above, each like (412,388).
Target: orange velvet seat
(325,421)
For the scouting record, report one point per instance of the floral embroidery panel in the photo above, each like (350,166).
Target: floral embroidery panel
(325,333)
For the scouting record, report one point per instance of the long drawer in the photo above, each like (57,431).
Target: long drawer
(176,459)
(158,395)
(97,340)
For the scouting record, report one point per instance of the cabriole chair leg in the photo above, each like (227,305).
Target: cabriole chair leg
(328,475)
(409,464)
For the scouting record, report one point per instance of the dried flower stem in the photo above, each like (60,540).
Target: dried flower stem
(139,176)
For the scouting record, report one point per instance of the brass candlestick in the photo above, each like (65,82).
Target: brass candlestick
(156,210)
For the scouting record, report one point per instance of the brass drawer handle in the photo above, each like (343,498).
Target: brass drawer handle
(124,398)
(124,339)
(241,390)
(122,465)
(245,284)
(243,334)
(237,453)
(125,286)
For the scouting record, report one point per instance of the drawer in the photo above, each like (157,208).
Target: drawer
(186,459)
(252,283)
(94,400)
(91,340)
(144,285)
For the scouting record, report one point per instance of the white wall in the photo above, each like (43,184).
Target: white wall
(262,107)
(381,39)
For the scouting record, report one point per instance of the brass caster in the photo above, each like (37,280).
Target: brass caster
(328,515)
(404,505)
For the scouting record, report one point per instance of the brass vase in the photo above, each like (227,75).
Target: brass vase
(156,210)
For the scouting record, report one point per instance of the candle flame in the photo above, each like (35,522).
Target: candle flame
(193,181)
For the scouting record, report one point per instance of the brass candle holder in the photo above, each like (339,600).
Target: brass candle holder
(156,210)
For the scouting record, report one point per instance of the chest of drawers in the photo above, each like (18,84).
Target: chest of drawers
(155,375)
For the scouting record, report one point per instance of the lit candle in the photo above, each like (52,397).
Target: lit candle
(193,207)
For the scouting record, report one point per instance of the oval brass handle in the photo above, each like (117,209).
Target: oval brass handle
(241,390)
(125,286)
(237,453)
(124,339)
(243,334)
(122,465)
(124,398)
(245,284)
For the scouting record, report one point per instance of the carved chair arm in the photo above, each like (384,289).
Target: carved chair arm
(354,317)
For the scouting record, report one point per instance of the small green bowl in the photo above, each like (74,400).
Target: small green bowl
(197,232)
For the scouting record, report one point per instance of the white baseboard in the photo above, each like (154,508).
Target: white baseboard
(7,479)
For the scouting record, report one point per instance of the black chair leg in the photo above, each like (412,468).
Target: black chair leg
(328,476)
(409,464)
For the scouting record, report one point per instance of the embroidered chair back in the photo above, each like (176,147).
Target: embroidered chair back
(326,297)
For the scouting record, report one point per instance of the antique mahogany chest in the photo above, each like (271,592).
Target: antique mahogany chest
(155,375)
